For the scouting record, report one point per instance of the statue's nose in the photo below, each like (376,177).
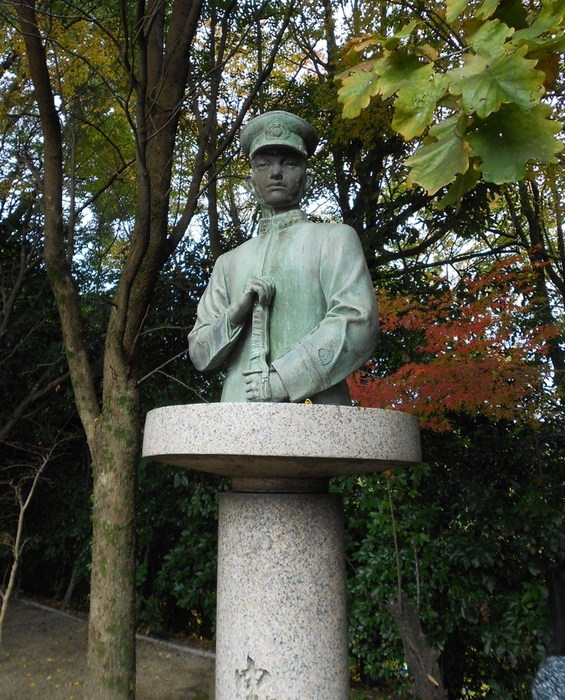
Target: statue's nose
(276,172)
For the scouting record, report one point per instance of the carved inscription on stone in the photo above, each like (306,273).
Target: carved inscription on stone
(254,683)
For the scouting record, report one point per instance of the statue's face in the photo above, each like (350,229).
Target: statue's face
(278,178)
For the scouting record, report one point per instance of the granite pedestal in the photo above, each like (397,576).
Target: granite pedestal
(281,618)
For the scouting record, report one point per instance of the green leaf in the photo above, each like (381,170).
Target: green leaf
(487,9)
(490,37)
(401,69)
(508,139)
(549,20)
(485,83)
(555,44)
(395,40)
(436,164)
(426,51)
(357,89)
(415,106)
(353,48)
(464,182)
(513,13)
(407,29)
(455,8)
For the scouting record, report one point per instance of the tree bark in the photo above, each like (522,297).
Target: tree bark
(111,632)
(113,434)
(421,659)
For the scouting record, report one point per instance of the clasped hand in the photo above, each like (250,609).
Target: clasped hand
(257,290)
(255,391)
(260,289)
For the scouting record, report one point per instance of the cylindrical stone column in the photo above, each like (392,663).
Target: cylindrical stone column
(281,625)
(281,611)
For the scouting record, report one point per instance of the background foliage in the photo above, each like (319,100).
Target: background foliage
(472,290)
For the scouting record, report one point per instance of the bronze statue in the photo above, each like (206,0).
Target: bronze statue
(292,310)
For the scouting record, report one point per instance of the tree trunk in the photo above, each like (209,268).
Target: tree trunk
(113,435)
(421,659)
(111,634)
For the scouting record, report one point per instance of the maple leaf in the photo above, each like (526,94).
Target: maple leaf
(551,15)
(490,37)
(509,138)
(400,70)
(437,162)
(475,355)
(455,8)
(414,108)
(487,9)
(485,83)
(463,183)
(358,86)
(508,63)
(385,75)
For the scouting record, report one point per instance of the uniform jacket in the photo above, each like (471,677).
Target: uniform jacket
(323,316)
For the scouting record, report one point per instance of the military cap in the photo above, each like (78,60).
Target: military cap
(281,129)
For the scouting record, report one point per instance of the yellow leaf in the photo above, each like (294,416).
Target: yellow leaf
(433,680)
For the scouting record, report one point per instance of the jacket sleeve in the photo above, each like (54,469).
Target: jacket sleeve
(213,336)
(347,335)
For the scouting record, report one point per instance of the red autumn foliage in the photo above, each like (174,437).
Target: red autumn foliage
(478,350)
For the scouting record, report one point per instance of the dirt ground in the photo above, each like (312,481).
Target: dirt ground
(43,655)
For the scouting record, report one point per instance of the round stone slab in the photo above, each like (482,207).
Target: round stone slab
(261,440)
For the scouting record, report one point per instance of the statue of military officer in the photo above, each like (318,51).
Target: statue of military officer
(292,311)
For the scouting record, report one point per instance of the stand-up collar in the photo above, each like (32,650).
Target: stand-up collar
(278,222)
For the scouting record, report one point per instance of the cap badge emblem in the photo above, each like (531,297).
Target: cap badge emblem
(277,130)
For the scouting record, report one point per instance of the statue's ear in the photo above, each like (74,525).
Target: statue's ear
(308,181)
(250,185)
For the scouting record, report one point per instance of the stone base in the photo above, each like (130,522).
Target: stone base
(282,617)
(286,440)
